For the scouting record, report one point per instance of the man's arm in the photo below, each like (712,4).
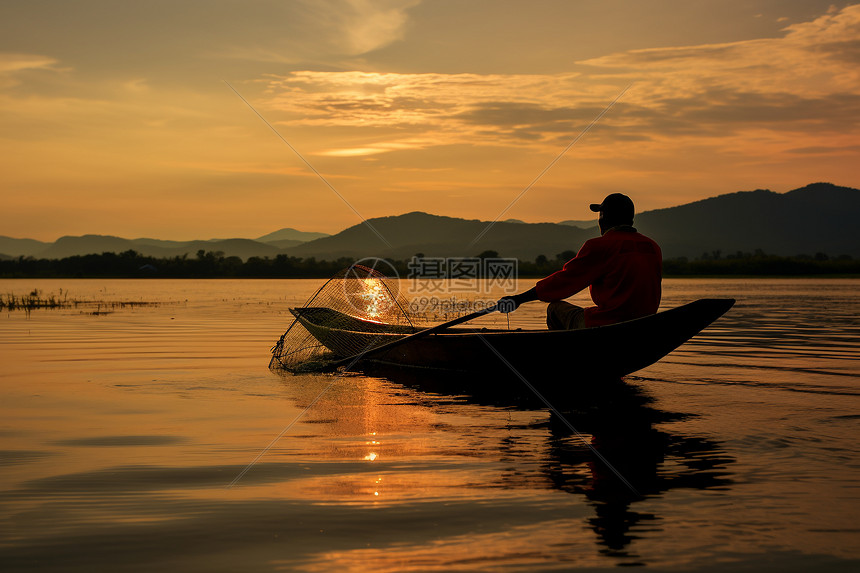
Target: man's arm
(578,273)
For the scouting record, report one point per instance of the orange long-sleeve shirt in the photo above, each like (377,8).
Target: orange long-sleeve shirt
(623,269)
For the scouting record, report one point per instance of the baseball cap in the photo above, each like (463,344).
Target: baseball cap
(616,206)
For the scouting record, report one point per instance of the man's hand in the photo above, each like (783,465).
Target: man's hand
(508,304)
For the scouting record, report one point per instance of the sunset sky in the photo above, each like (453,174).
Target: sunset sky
(117,118)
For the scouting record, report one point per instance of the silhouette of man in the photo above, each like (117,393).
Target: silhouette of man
(622,267)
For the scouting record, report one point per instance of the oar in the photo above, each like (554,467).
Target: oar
(410,338)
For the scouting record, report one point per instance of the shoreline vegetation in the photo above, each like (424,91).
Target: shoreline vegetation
(213,264)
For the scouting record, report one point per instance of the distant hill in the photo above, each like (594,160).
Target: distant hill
(87,244)
(289,234)
(817,218)
(820,217)
(18,247)
(285,243)
(590,224)
(69,246)
(242,248)
(437,236)
(159,243)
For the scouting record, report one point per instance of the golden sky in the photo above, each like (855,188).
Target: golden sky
(115,117)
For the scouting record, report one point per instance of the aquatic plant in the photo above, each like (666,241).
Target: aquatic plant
(36,300)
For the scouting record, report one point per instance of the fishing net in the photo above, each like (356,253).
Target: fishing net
(354,311)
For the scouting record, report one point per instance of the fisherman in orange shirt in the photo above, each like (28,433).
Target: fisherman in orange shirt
(622,268)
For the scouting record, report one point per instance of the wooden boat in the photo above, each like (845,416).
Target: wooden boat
(605,351)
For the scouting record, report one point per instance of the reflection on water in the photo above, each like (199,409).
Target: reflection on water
(610,421)
(653,461)
(119,435)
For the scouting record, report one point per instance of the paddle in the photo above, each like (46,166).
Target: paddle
(410,337)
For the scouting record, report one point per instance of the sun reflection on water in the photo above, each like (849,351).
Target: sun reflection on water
(374,294)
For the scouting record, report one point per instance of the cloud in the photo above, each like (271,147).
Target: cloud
(321,33)
(13,66)
(847,50)
(377,148)
(17,62)
(372,24)
(826,150)
(345,27)
(809,59)
(435,109)
(740,109)
(805,81)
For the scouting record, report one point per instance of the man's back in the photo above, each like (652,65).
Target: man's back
(623,269)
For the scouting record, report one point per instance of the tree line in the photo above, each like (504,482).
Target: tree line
(214,264)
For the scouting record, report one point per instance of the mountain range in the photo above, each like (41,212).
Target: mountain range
(820,217)
(269,245)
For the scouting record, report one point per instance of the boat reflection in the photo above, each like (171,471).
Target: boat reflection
(613,420)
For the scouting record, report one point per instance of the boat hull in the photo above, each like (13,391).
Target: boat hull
(607,351)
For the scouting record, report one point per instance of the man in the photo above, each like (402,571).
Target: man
(622,267)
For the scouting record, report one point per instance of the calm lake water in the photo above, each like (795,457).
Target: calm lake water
(122,431)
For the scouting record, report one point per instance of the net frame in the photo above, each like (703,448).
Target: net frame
(353,311)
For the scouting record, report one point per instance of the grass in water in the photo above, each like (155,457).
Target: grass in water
(36,300)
